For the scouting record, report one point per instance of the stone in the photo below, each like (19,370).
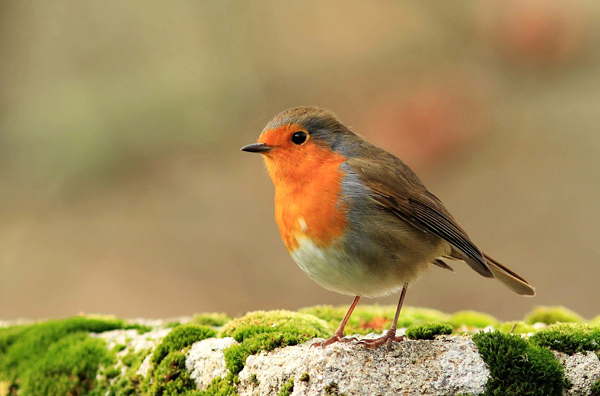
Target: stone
(581,369)
(205,360)
(447,365)
(134,342)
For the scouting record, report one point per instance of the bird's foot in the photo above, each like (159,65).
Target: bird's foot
(386,340)
(336,337)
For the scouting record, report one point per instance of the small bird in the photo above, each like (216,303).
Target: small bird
(355,218)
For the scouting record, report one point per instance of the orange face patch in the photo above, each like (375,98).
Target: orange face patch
(281,137)
(307,179)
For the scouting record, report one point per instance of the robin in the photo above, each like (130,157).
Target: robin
(355,218)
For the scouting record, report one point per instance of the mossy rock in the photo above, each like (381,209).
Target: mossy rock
(134,359)
(46,358)
(569,337)
(211,319)
(59,357)
(260,322)
(167,374)
(595,389)
(551,315)
(22,346)
(518,367)
(265,331)
(236,355)
(428,331)
(130,382)
(218,387)
(181,337)
(473,319)
(170,377)
(375,318)
(287,388)
(68,367)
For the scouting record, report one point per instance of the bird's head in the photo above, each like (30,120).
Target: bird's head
(299,139)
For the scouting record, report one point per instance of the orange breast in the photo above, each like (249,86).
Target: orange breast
(307,195)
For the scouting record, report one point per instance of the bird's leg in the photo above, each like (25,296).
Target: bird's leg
(338,335)
(390,335)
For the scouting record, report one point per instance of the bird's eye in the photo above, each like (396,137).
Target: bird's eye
(299,138)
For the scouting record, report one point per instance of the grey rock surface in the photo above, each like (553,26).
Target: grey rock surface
(582,370)
(134,342)
(448,365)
(206,361)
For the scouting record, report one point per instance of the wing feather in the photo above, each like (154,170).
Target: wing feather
(404,195)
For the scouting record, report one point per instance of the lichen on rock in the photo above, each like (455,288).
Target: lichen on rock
(450,365)
(206,361)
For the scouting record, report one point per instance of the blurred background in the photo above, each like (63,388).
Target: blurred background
(123,190)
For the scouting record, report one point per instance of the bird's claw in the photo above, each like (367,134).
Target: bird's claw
(383,340)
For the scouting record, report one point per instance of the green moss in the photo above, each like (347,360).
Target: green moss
(569,337)
(411,315)
(287,388)
(332,389)
(130,384)
(29,353)
(129,381)
(46,358)
(334,315)
(111,372)
(516,328)
(218,387)
(595,389)
(518,367)
(134,359)
(235,355)
(62,371)
(254,379)
(265,331)
(595,322)
(550,315)
(179,338)
(141,329)
(8,335)
(170,377)
(370,318)
(427,331)
(259,322)
(472,319)
(211,319)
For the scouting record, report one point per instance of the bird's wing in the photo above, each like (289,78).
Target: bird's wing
(395,187)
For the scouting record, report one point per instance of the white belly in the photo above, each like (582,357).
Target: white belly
(350,275)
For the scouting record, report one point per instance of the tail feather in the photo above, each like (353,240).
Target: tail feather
(512,280)
(442,264)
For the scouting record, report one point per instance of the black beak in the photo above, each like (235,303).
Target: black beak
(257,148)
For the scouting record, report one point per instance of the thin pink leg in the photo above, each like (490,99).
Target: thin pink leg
(390,335)
(338,335)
